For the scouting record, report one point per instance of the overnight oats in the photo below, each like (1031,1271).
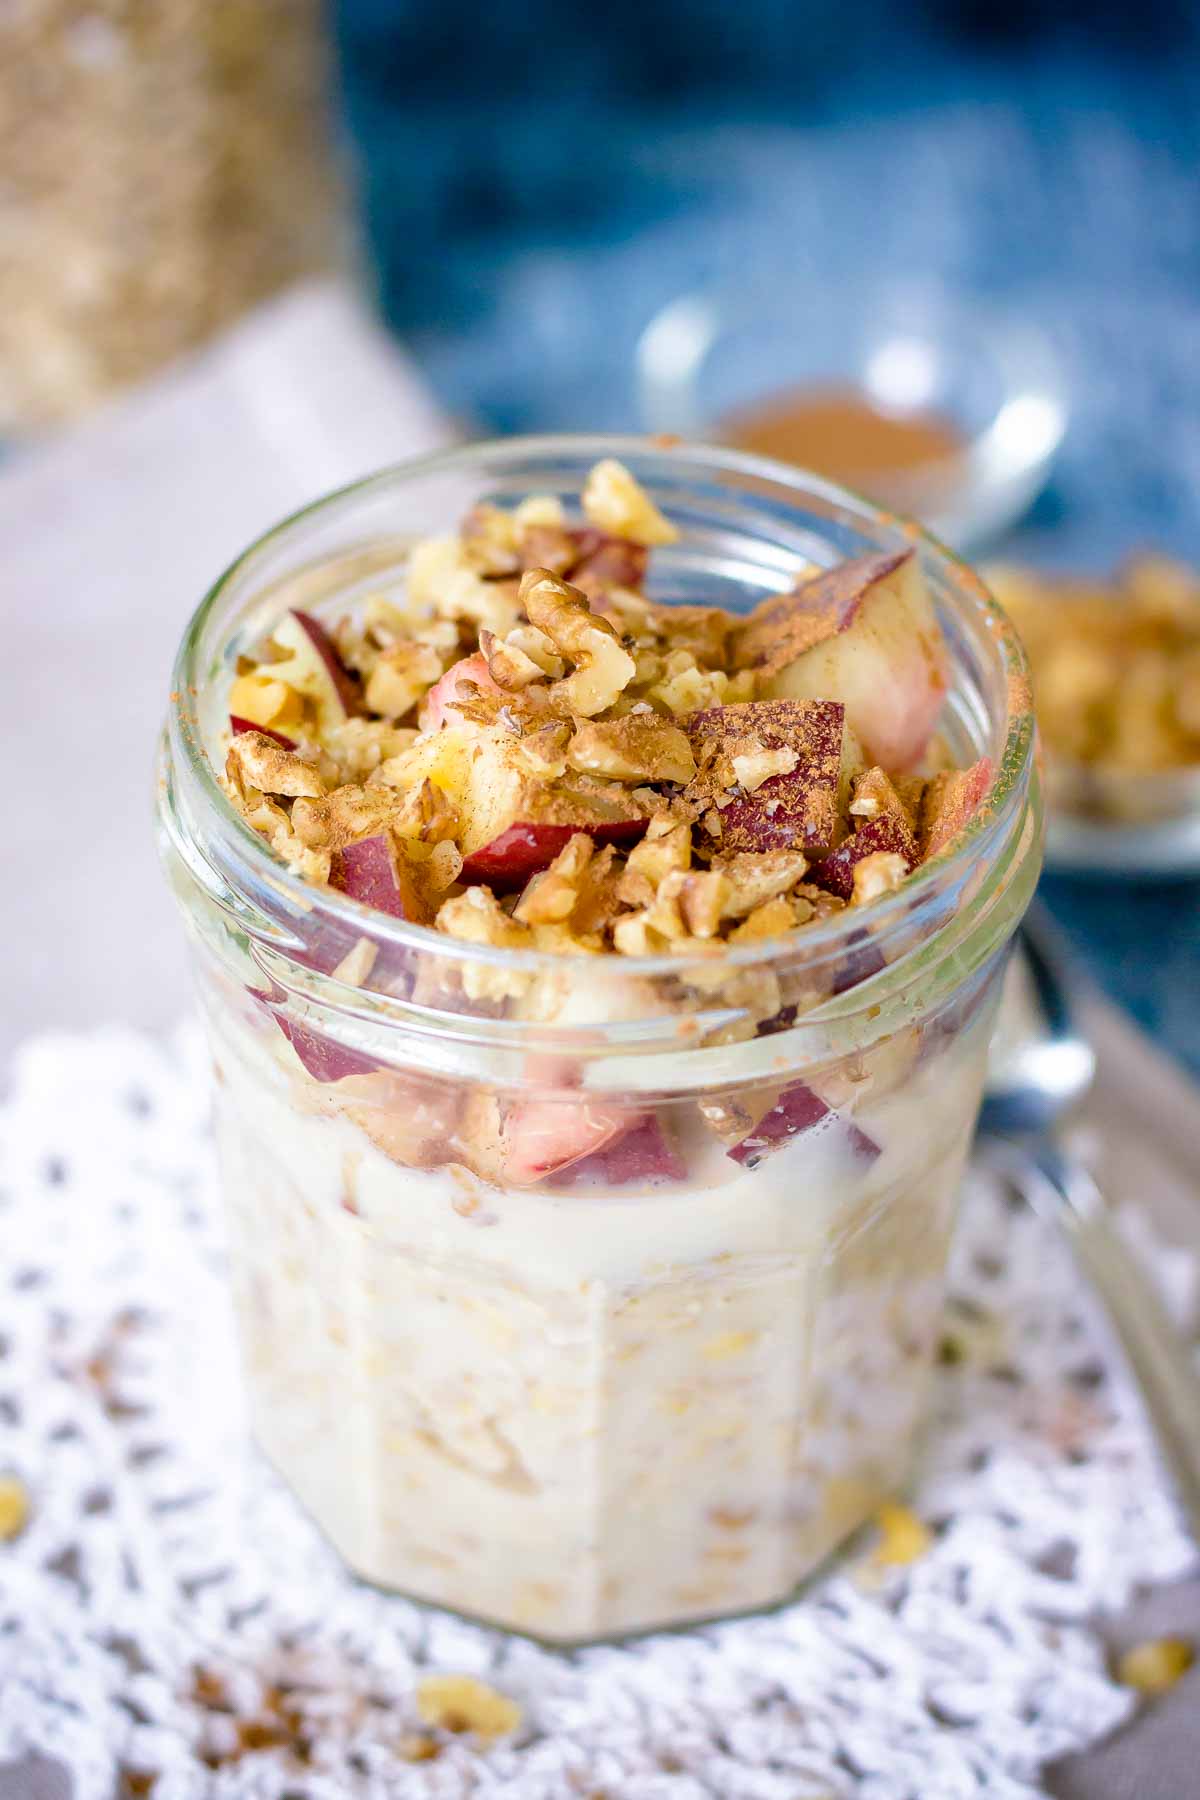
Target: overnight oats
(599,860)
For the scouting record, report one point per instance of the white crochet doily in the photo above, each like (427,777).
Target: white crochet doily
(168,1612)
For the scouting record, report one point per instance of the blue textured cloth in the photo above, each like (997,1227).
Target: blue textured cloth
(526,226)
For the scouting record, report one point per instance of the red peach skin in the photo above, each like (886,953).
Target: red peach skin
(343,681)
(525,849)
(324,1059)
(951,802)
(889,832)
(796,1111)
(237,726)
(644,1153)
(865,631)
(796,811)
(374,871)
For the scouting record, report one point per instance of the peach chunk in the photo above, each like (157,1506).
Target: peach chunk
(951,800)
(313,667)
(864,633)
(374,871)
(796,809)
(543,1137)
(515,822)
(439,706)
(645,1153)
(796,1111)
(889,832)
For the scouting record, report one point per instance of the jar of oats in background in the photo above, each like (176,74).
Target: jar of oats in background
(162,168)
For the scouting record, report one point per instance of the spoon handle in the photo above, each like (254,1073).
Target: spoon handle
(1157,1354)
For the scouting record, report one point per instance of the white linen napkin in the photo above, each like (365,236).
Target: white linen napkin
(109,536)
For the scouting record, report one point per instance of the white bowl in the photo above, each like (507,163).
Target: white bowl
(908,347)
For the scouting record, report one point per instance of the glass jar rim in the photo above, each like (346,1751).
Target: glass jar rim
(249,854)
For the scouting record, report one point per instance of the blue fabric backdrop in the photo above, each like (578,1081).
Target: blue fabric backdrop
(536,181)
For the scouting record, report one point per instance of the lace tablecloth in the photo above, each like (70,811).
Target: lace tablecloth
(171,1624)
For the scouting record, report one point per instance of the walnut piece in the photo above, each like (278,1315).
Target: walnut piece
(615,502)
(257,761)
(460,1703)
(880,873)
(603,667)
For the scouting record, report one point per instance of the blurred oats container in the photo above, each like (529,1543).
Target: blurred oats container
(665,1383)
(163,166)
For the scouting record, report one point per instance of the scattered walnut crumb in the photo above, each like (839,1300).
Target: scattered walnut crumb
(14,1508)
(460,1703)
(880,873)
(613,500)
(903,1537)
(1156,1665)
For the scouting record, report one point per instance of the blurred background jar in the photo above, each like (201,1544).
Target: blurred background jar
(164,164)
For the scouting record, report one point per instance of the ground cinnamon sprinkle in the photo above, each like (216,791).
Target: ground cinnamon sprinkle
(841,433)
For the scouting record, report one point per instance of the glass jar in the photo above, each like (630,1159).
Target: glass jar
(666,1383)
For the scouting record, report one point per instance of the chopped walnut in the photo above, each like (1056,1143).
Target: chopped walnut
(1156,1665)
(754,877)
(257,761)
(355,967)
(638,747)
(489,539)
(548,547)
(770,920)
(14,1508)
(603,667)
(615,502)
(903,1537)
(341,818)
(880,873)
(875,797)
(665,848)
(508,665)
(460,1703)
(476,917)
(551,896)
(752,767)
(424,813)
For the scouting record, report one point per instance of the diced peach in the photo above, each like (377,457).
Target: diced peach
(951,801)
(439,705)
(322,1057)
(889,832)
(412,1120)
(543,1137)
(797,810)
(864,633)
(314,668)
(644,1153)
(375,872)
(515,823)
(796,1111)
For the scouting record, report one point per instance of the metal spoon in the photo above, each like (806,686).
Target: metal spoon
(1027,1102)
